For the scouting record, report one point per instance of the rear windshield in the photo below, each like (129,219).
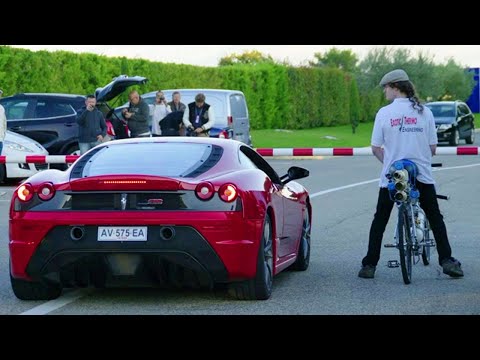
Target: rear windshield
(446,110)
(157,159)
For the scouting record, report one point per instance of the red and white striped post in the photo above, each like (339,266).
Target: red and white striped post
(266,152)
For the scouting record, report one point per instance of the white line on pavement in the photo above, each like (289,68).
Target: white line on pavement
(376,180)
(53,305)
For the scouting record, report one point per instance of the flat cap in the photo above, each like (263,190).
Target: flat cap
(394,76)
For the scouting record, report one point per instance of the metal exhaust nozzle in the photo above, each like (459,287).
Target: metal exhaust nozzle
(400,186)
(401,196)
(401,175)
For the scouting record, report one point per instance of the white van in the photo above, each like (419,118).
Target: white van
(230,107)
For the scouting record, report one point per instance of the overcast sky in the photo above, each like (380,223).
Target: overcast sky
(209,55)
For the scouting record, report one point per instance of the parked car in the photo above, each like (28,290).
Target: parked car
(19,145)
(50,119)
(231,112)
(454,121)
(181,210)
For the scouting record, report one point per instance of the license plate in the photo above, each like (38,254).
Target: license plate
(122,233)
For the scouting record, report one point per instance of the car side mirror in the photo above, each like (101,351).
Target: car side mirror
(294,173)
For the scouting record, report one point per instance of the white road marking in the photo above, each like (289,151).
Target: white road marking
(56,304)
(70,297)
(376,180)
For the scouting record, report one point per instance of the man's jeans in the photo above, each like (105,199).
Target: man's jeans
(84,147)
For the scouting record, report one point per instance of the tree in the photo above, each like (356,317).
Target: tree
(342,59)
(252,57)
(432,81)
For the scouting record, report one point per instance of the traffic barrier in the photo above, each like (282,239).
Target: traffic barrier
(460,150)
(266,152)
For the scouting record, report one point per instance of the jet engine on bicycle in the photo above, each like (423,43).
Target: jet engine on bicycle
(401,179)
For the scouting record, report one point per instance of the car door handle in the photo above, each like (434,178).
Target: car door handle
(68,124)
(15,128)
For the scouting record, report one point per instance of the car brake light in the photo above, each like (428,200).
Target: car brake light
(25,192)
(204,191)
(228,192)
(223,134)
(46,191)
(229,120)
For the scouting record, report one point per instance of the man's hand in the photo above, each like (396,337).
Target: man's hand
(100,138)
(128,115)
(199,130)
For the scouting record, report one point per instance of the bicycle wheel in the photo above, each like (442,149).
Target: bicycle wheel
(427,239)
(405,245)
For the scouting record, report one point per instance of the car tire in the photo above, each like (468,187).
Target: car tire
(260,287)
(455,139)
(3,173)
(471,139)
(34,290)
(303,255)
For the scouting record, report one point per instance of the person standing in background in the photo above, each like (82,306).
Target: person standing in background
(177,105)
(199,116)
(158,111)
(137,115)
(91,126)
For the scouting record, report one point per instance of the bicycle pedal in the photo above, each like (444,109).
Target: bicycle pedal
(390,245)
(393,264)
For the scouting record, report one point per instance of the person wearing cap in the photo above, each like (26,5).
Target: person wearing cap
(405,129)
(199,116)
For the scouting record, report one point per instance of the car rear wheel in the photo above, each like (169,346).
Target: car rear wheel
(260,287)
(471,138)
(455,139)
(34,290)
(303,256)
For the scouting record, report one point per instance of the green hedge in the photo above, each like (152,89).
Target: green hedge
(278,96)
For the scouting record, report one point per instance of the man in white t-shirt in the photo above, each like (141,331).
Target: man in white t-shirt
(405,129)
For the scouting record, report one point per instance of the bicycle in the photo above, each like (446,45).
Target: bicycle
(413,237)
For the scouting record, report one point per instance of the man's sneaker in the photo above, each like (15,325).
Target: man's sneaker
(367,272)
(452,267)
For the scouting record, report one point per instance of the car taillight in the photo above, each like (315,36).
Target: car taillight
(229,120)
(205,191)
(223,134)
(228,192)
(46,191)
(25,192)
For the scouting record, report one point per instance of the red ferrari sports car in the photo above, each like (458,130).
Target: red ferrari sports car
(182,211)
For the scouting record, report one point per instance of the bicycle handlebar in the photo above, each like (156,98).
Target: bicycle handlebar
(437,164)
(443,197)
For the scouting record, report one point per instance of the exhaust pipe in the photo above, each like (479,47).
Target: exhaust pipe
(401,185)
(401,196)
(401,175)
(167,233)
(77,233)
